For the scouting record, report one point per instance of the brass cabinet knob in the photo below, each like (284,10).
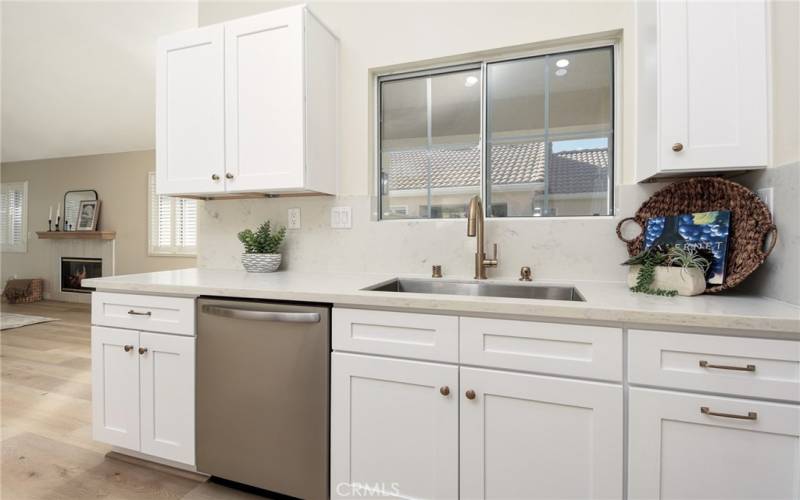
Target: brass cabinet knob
(525,274)
(677,147)
(142,350)
(470,394)
(444,390)
(214,177)
(229,175)
(128,348)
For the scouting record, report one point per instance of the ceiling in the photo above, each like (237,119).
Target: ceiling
(78,78)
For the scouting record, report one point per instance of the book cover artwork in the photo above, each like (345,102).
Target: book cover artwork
(702,231)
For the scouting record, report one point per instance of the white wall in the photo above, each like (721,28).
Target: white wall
(377,35)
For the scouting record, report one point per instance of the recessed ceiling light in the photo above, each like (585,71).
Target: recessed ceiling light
(562,63)
(470,81)
(561,72)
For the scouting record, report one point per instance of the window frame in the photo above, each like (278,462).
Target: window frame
(154,250)
(497,57)
(22,246)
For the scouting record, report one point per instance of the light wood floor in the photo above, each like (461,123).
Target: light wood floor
(45,420)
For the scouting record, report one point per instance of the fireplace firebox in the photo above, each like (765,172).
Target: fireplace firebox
(75,269)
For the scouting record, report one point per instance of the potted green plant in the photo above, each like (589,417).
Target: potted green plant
(668,271)
(261,248)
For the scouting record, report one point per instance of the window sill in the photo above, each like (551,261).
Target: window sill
(172,254)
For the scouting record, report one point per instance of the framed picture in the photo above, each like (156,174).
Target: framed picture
(88,212)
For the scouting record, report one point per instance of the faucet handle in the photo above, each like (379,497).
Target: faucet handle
(493,261)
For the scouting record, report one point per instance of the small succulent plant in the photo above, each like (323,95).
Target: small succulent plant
(263,240)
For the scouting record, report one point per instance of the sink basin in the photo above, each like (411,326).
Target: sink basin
(516,291)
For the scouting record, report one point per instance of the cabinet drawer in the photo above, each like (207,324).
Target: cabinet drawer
(411,335)
(551,348)
(728,365)
(144,312)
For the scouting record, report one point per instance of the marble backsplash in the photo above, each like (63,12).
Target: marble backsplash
(558,249)
(779,276)
(567,249)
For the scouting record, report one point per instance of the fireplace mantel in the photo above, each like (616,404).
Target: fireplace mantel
(76,235)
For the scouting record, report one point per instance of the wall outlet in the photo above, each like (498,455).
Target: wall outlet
(341,218)
(294,218)
(766,195)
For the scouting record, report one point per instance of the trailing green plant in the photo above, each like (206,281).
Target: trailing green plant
(263,240)
(649,260)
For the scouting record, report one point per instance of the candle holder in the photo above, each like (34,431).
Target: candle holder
(58,222)
(49,225)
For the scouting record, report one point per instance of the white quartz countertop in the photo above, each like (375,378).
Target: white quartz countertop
(605,302)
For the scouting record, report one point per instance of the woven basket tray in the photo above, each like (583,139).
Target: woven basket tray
(751,222)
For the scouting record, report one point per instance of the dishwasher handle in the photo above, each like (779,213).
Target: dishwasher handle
(255,315)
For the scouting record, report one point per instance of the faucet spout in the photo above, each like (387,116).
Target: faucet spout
(475,221)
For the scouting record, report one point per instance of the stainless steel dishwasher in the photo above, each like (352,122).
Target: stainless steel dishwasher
(263,381)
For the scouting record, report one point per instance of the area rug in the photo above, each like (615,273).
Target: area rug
(10,320)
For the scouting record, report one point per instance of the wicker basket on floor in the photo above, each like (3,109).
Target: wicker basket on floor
(751,227)
(35,293)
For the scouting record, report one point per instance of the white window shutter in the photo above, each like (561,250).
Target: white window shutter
(173,223)
(13,216)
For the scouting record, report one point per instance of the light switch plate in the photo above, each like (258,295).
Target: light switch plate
(341,218)
(766,195)
(294,218)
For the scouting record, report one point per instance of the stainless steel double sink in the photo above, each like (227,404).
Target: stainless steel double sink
(479,289)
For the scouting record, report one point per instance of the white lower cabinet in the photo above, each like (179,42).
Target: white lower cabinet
(690,446)
(143,392)
(396,432)
(535,437)
(115,386)
(167,396)
(394,428)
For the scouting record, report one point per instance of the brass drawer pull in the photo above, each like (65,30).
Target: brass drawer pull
(137,313)
(142,350)
(128,348)
(748,368)
(751,415)
(444,390)
(470,394)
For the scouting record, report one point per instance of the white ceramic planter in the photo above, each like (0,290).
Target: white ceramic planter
(687,282)
(261,262)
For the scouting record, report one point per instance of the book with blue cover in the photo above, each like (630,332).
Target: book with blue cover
(707,232)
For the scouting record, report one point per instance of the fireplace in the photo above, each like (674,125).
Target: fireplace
(75,269)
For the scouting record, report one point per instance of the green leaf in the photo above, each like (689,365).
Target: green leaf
(263,240)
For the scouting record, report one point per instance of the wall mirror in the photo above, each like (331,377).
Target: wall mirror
(72,200)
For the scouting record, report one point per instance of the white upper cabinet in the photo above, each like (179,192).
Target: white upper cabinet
(190,106)
(249,106)
(702,88)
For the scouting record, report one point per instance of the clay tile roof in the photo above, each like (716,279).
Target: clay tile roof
(580,171)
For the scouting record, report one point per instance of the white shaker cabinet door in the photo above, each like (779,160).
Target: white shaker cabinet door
(167,396)
(190,104)
(535,437)
(394,428)
(264,115)
(712,76)
(690,446)
(115,386)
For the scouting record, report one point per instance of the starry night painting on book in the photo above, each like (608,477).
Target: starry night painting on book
(705,231)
